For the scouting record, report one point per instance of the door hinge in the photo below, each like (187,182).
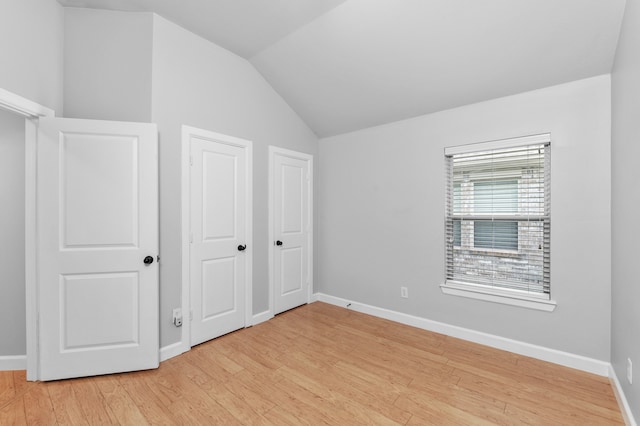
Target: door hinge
(191,237)
(191,315)
(191,160)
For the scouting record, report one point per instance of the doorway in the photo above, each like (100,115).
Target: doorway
(12,258)
(291,228)
(40,221)
(217,234)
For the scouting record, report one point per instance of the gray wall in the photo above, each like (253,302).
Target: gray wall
(31,34)
(625,324)
(107,65)
(200,84)
(12,300)
(381,214)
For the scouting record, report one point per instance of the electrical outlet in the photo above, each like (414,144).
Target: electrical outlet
(404,292)
(629,371)
(177,317)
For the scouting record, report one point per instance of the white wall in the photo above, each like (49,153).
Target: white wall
(625,330)
(200,84)
(381,214)
(107,65)
(31,35)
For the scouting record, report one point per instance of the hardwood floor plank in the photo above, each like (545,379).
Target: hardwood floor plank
(20,381)
(327,408)
(540,416)
(65,404)
(365,377)
(295,415)
(215,363)
(199,408)
(587,387)
(151,407)
(122,406)
(94,407)
(240,406)
(245,387)
(323,365)
(321,381)
(436,412)
(7,388)
(457,396)
(38,406)
(528,396)
(13,413)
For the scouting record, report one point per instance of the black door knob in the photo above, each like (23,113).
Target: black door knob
(148,260)
(278,243)
(242,247)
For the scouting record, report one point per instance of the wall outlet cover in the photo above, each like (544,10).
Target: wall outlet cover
(177,317)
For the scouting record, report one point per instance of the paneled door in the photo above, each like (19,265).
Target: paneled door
(220,223)
(97,227)
(291,228)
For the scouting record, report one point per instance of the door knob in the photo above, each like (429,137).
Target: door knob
(242,247)
(148,260)
(278,243)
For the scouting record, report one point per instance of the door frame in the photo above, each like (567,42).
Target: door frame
(273,151)
(187,132)
(31,111)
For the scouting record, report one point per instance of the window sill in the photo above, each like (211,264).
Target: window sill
(491,295)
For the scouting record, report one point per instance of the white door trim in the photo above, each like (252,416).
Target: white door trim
(23,106)
(187,131)
(273,150)
(31,111)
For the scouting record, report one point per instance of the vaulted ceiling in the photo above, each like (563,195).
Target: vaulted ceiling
(344,65)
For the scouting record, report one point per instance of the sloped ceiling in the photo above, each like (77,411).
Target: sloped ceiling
(344,65)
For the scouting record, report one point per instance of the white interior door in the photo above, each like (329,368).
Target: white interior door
(292,228)
(97,226)
(220,249)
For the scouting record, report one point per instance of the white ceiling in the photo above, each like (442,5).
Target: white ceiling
(244,27)
(344,65)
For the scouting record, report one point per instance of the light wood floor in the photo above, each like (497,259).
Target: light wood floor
(321,364)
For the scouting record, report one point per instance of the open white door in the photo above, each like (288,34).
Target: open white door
(220,232)
(291,213)
(97,238)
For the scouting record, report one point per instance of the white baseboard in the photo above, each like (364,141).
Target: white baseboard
(622,399)
(13,362)
(262,317)
(567,359)
(174,349)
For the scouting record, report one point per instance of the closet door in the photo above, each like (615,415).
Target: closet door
(97,226)
(292,228)
(220,249)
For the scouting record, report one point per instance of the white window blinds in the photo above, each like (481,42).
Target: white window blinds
(498,216)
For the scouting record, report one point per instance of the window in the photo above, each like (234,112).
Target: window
(495,235)
(495,196)
(498,219)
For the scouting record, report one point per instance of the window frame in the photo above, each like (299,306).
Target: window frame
(505,295)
